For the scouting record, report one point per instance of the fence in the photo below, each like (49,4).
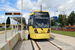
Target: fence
(64,29)
(8,31)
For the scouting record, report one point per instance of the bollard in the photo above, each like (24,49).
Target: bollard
(26,35)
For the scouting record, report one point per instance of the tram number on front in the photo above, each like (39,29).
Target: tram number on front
(42,32)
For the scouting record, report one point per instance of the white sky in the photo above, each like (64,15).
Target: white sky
(50,5)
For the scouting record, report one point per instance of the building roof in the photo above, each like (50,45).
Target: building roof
(54,18)
(19,19)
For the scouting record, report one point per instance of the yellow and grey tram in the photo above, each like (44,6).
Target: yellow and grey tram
(39,25)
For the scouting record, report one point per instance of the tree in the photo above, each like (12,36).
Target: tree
(62,20)
(57,21)
(3,23)
(8,21)
(67,23)
(52,23)
(71,18)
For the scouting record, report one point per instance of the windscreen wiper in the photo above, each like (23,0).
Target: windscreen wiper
(39,26)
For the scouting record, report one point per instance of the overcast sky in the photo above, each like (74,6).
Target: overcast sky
(30,5)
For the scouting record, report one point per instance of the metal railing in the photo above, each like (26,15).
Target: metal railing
(7,31)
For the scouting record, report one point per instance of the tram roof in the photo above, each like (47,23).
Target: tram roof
(37,11)
(19,19)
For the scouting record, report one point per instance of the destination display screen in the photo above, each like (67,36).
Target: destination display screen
(40,13)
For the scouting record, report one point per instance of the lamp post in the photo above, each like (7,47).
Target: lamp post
(55,12)
(5,31)
(55,15)
(21,12)
(12,24)
(21,17)
(17,25)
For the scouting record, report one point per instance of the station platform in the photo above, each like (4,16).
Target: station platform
(23,45)
(18,42)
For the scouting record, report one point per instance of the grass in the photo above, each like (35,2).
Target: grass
(4,29)
(68,33)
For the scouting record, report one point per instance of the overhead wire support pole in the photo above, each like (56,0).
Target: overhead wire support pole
(55,12)
(21,16)
(5,31)
(41,8)
(21,12)
(12,25)
(15,27)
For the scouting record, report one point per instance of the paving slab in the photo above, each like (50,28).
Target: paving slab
(45,45)
(23,45)
(62,45)
(66,39)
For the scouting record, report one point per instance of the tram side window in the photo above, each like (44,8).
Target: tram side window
(31,17)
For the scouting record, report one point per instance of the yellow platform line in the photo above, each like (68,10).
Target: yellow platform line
(4,31)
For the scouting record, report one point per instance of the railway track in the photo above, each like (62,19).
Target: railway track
(44,45)
(35,45)
(50,44)
(55,45)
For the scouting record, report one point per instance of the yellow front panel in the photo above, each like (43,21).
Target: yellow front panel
(42,31)
(42,34)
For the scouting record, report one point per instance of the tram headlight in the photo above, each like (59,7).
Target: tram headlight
(35,31)
(48,30)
